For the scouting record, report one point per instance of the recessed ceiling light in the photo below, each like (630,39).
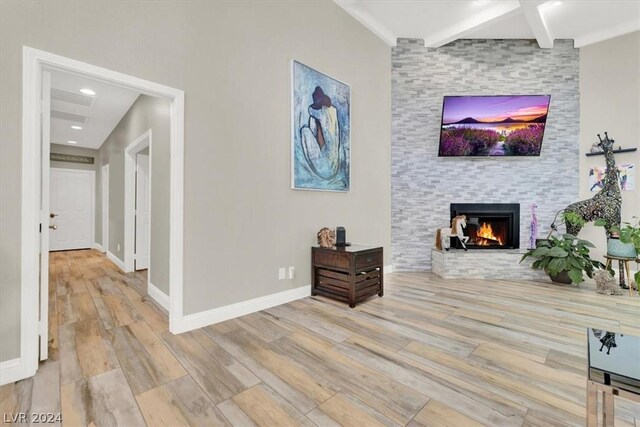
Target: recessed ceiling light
(76,127)
(87,91)
(72,142)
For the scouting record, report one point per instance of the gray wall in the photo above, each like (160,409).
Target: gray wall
(146,113)
(232,59)
(423,184)
(610,101)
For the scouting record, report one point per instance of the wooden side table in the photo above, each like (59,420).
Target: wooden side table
(623,264)
(350,274)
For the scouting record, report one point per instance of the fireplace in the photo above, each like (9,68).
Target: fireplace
(489,225)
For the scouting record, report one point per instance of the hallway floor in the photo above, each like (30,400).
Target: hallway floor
(430,352)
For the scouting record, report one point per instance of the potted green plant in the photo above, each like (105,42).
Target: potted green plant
(624,241)
(564,259)
(630,234)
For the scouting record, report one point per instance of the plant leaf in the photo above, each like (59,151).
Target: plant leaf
(586,243)
(576,276)
(557,252)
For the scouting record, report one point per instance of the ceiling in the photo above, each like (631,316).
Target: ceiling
(439,22)
(98,115)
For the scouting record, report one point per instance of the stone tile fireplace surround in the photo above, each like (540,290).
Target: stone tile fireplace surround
(424,185)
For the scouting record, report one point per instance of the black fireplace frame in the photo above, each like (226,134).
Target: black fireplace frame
(506,210)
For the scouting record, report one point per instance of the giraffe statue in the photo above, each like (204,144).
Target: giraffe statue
(607,203)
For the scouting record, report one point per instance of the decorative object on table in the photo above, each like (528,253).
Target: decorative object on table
(606,284)
(626,177)
(458,224)
(349,274)
(534,227)
(326,237)
(609,341)
(564,259)
(341,237)
(321,131)
(607,203)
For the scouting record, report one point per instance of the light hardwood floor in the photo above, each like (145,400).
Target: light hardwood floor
(430,352)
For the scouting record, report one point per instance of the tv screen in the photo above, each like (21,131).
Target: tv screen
(505,125)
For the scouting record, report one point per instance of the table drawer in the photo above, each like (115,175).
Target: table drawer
(332,259)
(371,259)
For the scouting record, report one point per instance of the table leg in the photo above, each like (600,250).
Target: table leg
(621,273)
(629,278)
(592,405)
(608,412)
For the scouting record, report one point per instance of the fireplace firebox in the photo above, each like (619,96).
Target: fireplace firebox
(489,225)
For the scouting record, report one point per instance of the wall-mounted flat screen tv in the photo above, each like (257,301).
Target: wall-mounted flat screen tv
(488,126)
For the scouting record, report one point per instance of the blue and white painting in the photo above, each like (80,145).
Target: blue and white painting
(321,109)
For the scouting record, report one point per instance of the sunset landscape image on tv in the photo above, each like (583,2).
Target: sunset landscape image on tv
(493,125)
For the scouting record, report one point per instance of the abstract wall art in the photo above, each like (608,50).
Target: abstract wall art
(626,177)
(321,131)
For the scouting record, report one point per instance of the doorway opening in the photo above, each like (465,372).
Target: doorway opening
(104,191)
(35,209)
(137,207)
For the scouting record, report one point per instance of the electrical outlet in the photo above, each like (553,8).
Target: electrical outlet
(292,272)
(118,247)
(282,273)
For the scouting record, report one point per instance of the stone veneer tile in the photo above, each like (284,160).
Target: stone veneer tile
(423,185)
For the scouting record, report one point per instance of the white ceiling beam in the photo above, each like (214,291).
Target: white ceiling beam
(535,19)
(607,33)
(366,19)
(480,20)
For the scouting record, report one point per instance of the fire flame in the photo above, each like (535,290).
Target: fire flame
(485,235)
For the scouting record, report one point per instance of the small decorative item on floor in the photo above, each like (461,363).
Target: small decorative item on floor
(458,224)
(326,237)
(534,227)
(606,204)
(606,284)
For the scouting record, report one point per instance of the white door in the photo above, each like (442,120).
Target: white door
(142,211)
(105,207)
(71,203)
(45,140)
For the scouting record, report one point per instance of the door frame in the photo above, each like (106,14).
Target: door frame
(93,200)
(104,206)
(33,63)
(139,144)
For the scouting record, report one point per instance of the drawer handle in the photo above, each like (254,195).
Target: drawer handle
(369,260)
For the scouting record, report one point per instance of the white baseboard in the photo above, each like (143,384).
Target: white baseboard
(98,246)
(388,269)
(11,371)
(220,314)
(158,296)
(114,259)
